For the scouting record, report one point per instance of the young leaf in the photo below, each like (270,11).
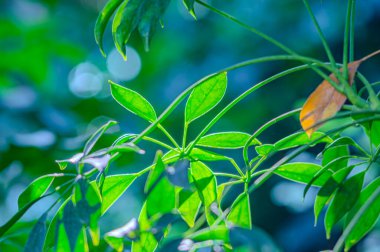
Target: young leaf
(114,186)
(368,218)
(205,96)
(188,205)
(344,199)
(133,101)
(155,173)
(240,214)
(328,189)
(225,140)
(36,189)
(301,173)
(205,182)
(36,238)
(95,137)
(101,22)
(204,155)
(161,199)
(324,102)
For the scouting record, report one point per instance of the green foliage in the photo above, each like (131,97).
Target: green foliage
(182,188)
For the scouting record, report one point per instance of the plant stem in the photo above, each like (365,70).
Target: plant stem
(152,140)
(346,39)
(352,31)
(222,174)
(185,128)
(167,134)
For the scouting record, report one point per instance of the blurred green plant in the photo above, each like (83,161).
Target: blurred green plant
(180,187)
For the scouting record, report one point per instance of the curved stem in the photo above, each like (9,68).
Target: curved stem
(167,134)
(152,140)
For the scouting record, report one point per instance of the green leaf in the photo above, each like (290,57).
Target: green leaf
(256,239)
(114,186)
(133,102)
(36,238)
(95,137)
(301,173)
(225,140)
(343,201)
(72,226)
(188,205)
(240,214)
(36,189)
(218,233)
(155,173)
(205,96)
(292,141)
(103,18)
(345,141)
(334,152)
(161,199)
(189,4)
(115,238)
(204,155)
(205,182)
(115,243)
(146,242)
(372,130)
(367,219)
(328,189)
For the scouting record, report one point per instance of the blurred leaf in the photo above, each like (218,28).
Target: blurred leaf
(37,237)
(240,214)
(146,241)
(128,230)
(155,173)
(205,182)
(292,141)
(301,173)
(115,243)
(213,233)
(102,21)
(325,101)
(178,174)
(328,189)
(114,186)
(344,199)
(225,140)
(72,226)
(368,218)
(251,240)
(188,205)
(73,160)
(161,199)
(205,96)
(36,189)
(133,101)
(95,137)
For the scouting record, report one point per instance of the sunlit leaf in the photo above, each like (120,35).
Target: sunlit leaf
(205,183)
(146,241)
(368,218)
(328,189)
(36,189)
(103,18)
(205,96)
(301,173)
(214,233)
(114,186)
(345,141)
(188,205)
(240,213)
(161,199)
(324,102)
(155,173)
(225,140)
(204,155)
(332,153)
(133,102)
(344,199)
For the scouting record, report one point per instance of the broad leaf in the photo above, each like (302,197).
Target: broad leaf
(240,214)
(205,96)
(301,173)
(225,140)
(328,189)
(219,233)
(332,153)
(188,205)
(368,218)
(324,102)
(103,18)
(146,241)
(114,186)
(133,101)
(37,236)
(36,189)
(155,173)
(344,199)
(342,141)
(205,182)
(161,199)
(203,155)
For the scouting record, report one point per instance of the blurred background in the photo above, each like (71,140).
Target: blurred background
(54,93)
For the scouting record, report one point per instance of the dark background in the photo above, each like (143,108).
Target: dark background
(54,92)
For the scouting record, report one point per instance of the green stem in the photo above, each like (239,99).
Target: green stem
(264,127)
(352,31)
(167,134)
(371,92)
(222,174)
(185,128)
(152,140)
(346,39)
